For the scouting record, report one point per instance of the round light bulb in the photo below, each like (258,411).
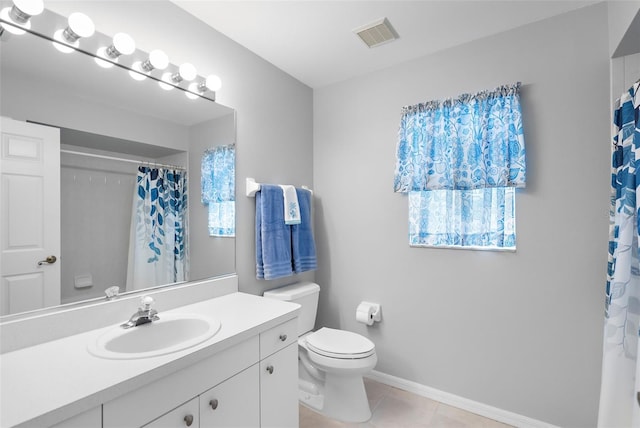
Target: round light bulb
(4,14)
(29,7)
(213,83)
(193,88)
(187,72)
(81,24)
(137,66)
(62,43)
(165,83)
(124,44)
(20,14)
(102,59)
(158,59)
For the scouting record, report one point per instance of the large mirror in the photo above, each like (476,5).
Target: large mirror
(112,127)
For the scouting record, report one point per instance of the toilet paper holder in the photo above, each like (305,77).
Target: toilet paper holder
(372,310)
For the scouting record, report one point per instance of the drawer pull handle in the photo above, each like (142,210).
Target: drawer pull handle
(283,337)
(188,420)
(270,369)
(214,403)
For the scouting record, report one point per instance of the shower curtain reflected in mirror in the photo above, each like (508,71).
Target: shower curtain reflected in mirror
(158,245)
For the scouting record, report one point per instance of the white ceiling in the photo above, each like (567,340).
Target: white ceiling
(314,41)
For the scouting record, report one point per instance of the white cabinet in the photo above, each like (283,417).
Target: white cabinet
(279,389)
(187,415)
(233,403)
(146,404)
(251,384)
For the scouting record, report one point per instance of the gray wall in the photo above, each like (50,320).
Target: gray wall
(519,331)
(621,15)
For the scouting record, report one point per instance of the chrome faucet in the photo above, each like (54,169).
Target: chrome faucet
(144,315)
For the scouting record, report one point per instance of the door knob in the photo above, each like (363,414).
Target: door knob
(49,260)
(270,369)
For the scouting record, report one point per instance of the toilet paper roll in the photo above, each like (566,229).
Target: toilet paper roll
(364,313)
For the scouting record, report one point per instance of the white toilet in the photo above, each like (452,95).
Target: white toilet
(331,362)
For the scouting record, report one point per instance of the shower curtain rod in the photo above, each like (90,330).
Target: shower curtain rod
(139,162)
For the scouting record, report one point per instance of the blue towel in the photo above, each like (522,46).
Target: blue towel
(273,236)
(302,243)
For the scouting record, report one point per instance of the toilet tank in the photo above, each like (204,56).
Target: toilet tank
(303,293)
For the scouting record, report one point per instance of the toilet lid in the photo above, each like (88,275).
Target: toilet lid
(340,344)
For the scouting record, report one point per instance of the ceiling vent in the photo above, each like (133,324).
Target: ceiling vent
(377,33)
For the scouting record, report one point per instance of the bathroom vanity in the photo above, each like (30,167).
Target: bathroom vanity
(245,375)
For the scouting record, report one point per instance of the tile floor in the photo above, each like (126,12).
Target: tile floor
(395,408)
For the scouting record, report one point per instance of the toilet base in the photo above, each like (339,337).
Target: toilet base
(340,397)
(309,394)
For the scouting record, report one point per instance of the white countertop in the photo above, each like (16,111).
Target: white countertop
(44,384)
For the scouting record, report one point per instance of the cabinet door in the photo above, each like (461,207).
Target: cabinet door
(233,403)
(279,388)
(186,415)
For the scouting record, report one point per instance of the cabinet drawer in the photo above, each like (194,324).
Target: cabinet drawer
(278,337)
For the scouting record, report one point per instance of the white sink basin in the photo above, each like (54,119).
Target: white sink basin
(171,333)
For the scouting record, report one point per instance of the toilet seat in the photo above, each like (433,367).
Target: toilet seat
(339,344)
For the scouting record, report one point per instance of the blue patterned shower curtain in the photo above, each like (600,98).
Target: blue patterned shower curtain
(619,406)
(158,250)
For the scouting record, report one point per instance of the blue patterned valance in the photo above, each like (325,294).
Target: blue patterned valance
(471,142)
(218,189)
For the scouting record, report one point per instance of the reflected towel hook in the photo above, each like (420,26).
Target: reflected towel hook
(252,187)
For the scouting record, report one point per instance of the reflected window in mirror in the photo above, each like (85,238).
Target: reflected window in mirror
(218,189)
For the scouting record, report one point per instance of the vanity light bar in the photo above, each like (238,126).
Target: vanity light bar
(16,19)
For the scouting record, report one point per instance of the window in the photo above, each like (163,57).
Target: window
(460,161)
(478,218)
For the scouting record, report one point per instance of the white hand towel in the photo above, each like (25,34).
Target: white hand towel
(291,206)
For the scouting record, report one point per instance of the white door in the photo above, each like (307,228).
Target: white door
(29,216)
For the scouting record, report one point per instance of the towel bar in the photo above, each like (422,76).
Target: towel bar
(252,187)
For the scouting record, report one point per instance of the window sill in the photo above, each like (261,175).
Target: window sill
(469,247)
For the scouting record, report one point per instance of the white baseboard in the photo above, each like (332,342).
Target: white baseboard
(478,408)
